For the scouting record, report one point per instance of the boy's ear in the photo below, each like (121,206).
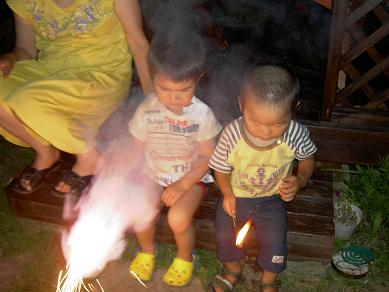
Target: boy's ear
(201,76)
(240,103)
(295,105)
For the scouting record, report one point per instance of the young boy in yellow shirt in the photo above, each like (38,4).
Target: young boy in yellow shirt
(253,169)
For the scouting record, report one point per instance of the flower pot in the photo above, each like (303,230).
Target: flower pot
(345,231)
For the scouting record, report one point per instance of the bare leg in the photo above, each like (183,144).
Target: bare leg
(146,237)
(180,218)
(45,154)
(268,278)
(146,240)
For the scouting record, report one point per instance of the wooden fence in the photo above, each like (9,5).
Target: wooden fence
(358,63)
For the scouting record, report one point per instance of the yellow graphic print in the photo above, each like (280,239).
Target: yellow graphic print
(258,173)
(84,19)
(261,181)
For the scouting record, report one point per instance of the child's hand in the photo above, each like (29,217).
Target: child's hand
(172,193)
(229,205)
(289,188)
(6,66)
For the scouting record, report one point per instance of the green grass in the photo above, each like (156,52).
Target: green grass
(23,239)
(37,247)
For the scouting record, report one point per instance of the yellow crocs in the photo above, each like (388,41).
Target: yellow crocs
(179,273)
(143,266)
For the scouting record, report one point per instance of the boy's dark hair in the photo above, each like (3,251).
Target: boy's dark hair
(272,83)
(180,57)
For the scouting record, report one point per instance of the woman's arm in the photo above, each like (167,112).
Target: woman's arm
(326,3)
(129,14)
(25,47)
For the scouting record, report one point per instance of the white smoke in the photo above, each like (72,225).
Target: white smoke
(120,199)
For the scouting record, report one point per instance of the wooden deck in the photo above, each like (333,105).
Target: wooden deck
(310,229)
(310,223)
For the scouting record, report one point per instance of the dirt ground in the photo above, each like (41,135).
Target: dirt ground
(299,276)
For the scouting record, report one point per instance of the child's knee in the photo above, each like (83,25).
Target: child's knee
(178,220)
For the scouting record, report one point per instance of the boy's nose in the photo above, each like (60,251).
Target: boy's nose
(266,131)
(176,97)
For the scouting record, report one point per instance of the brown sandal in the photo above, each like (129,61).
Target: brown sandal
(76,183)
(276,284)
(33,176)
(222,283)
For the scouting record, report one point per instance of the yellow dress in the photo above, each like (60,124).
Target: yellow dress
(81,75)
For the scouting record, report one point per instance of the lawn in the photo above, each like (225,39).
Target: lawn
(30,252)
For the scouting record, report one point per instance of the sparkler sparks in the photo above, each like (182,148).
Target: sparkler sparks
(111,207)
(136,277)
(88,247)
(242,234)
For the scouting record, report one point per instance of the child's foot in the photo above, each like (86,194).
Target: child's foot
(226,281)
(270,287)
(143,266)
(180,272)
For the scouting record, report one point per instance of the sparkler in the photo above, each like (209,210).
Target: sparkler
(97,237)
(242,234)
(139,280)
(84,258)
(234,221)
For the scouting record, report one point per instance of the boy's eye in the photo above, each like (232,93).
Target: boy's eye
(161,88)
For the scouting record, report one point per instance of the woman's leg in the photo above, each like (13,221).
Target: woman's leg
(45,154)
(180,219)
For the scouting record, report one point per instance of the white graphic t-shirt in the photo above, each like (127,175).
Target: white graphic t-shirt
(171,141)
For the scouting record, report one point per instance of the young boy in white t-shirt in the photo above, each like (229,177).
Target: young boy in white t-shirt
(178,134)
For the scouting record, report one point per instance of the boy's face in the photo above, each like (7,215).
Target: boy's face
(174,95)
(263,121)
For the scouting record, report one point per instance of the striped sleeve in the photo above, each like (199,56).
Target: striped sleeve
(227,141)
(298,139)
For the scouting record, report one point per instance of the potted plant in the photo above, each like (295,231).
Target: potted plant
(368,187)
(346,217)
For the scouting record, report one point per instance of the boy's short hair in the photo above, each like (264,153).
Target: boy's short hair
(180,57)
(270,82)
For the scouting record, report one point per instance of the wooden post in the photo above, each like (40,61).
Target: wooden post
(335,52)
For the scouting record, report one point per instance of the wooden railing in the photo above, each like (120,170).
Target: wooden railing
(358,58)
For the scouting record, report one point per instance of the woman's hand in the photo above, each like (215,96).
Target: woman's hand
(6,64)
(25,47)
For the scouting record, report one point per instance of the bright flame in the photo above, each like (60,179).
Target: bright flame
(97,237)
(242,234)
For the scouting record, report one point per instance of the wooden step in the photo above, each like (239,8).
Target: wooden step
(310,217)
(310,224)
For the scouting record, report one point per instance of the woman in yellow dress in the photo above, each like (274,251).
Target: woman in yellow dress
(71,67)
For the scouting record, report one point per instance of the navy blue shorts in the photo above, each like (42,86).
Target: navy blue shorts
(270,224)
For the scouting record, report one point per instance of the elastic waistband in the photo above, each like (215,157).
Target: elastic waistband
(275,197)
